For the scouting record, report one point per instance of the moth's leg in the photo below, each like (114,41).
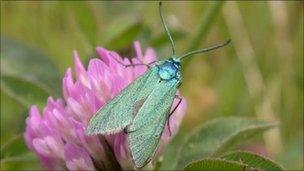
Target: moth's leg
(132,65)
(177,96)
(126,131)
(141,63)
(179,102)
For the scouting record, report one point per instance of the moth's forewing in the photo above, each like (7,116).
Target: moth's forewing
(148,125)
(119,112)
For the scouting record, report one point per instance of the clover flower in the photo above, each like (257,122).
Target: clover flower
(57,134)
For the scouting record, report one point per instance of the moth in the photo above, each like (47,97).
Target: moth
(143,107)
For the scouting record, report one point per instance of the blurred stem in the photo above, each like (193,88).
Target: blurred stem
(205,24)
(10,141)
(23,157)
(257,90)
(284,48)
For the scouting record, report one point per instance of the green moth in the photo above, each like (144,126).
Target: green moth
(142,108)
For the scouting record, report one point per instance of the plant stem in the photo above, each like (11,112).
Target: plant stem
(254,79)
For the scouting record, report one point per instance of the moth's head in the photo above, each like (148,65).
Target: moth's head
(169,69)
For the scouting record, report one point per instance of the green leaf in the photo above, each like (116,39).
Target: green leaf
(30,156)
(122,32)
(29,64)
(252,160)
(10,141)
(12,117)
(20,162)
(218,136)
(169,156)
(215,165)
(26,74)
(23,91)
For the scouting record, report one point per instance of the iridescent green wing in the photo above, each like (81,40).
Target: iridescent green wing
(148,125)
(119,112)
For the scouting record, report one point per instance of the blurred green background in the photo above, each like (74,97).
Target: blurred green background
(259,75)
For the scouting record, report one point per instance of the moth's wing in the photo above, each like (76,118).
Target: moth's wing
(119,112)
(145,131)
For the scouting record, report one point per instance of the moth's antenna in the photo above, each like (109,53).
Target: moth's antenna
(166,28)
(205,50)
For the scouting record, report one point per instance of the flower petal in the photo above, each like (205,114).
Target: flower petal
(80,71)
(77,157)
(122,152)
(32,126)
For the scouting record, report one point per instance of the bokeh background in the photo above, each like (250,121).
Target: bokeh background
(259,75)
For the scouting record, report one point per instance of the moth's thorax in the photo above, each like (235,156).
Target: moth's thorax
(169,69)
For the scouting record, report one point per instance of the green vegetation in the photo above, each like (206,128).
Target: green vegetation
(259,75)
